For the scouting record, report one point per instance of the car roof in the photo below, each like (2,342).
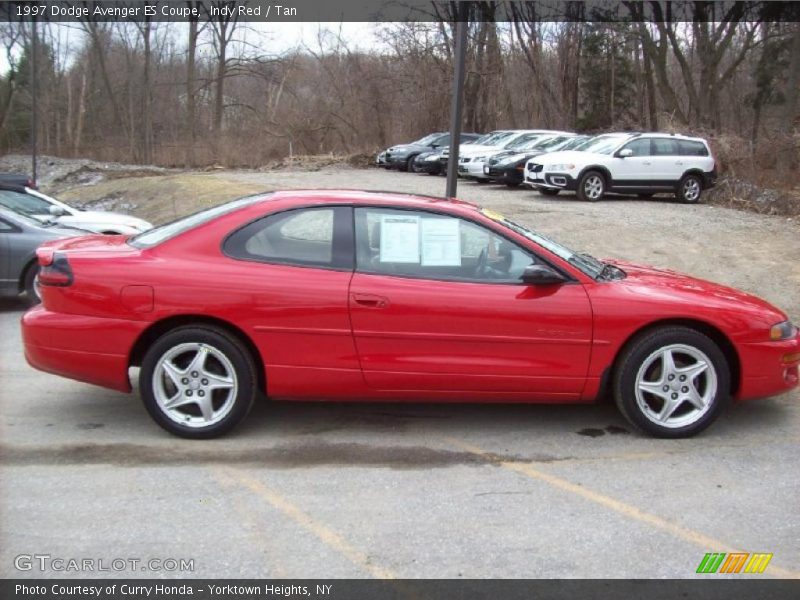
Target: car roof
(367,197)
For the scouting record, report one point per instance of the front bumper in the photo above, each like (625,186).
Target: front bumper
(768,368)
(551,180)
(472,169)
(90,349)
(429,166)
(509,175)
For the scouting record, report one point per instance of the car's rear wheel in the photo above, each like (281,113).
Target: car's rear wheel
(689,189)
(31,284)
(671,382)
(591,187)
(548,192)
(197,381)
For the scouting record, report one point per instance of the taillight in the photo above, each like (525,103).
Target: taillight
(45,256)
(57,272)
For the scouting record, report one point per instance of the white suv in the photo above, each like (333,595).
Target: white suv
(627,163)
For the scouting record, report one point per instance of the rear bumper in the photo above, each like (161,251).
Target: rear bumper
(89,349)
(769,368)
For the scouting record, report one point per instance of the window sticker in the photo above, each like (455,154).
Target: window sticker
(494,216)
(399,239)
(441,243)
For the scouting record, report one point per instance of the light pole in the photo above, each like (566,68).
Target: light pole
(33,100)
(457,104)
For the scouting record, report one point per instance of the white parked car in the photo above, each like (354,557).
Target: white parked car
(33,203)
(627,163)
(473,158)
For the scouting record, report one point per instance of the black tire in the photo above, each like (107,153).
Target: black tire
(548,192)
(689,189)
(481,180)
(591,186)
(688,418)
(218,340)
(30,285)
(409,165)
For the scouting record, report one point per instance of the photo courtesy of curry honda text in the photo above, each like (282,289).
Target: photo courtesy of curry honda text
(347,295)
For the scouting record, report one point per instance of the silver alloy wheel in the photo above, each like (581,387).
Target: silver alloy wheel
(195,384)
(691,189)
(675,386)
(593,187)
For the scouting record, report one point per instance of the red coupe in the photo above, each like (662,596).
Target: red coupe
(347,295)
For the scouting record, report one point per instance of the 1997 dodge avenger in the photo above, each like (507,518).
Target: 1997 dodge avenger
(346,295)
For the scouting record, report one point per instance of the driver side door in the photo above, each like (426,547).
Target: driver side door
(437,305)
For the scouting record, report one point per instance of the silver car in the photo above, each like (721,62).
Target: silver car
(19,238)
(44,208)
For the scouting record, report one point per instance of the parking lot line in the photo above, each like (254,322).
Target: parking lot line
(307,522)
(684,533)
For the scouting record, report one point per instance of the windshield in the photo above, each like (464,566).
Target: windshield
(605,144)
(24,204)
(494,139)
(577,143)
(23,218)
(157,235)
(584,262)
(521,142)
(427,140)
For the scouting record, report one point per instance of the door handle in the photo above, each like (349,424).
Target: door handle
(370,300)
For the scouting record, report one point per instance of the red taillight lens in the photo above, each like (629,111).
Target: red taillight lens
(57,273)
(45,256)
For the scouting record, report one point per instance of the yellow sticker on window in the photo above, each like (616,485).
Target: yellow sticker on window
(494,216)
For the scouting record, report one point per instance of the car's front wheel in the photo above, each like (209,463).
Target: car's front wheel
(591,187)
(671,382)
(689,189)
(197,381)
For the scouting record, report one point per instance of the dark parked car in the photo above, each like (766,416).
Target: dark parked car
(509,167)
(434,162)
(18,180)
(402,156)
(19,238)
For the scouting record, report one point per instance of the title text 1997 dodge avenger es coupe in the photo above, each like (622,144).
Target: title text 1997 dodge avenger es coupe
(347,295)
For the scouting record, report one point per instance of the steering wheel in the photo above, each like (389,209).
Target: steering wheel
(483,259)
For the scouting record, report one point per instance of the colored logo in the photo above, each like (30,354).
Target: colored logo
(734,562)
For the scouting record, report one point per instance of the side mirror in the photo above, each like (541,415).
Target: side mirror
(541,275)
(57,211)
(625,152)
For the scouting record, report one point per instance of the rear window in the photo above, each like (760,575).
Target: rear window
(692,148)
(157,235)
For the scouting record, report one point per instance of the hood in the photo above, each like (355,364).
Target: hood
(475,150)
(405,148)
(658,284)
(570,156)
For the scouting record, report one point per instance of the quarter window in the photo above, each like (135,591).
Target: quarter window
(434,246)
(304,236)
(692,148)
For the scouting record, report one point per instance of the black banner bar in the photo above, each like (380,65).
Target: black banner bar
(710,588)
(284,11)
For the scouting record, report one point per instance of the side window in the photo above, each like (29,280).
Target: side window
(692,148)
(433,246)
(304,236)
(665,147)
(640,147)
(442,141)
(25,204)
